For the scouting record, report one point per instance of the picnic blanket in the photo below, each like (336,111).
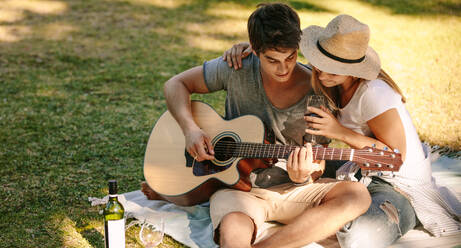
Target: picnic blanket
(192,225)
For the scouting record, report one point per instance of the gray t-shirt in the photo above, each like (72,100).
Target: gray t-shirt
(246,96)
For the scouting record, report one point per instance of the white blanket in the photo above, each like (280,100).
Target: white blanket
(192,225)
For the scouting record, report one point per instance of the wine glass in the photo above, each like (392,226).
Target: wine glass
(314,101)
(152,231)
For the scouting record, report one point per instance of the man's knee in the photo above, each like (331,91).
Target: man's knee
(236,230)
(360,195)
(352,195)
(232,219)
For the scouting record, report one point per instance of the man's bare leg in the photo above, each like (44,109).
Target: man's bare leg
(343,203)
(236,230)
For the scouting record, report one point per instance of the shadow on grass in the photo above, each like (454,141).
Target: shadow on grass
(420,7)
(78,109)
(93,237)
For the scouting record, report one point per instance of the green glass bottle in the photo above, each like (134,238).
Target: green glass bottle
(114,221)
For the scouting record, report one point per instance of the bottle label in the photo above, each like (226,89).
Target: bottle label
(115,233)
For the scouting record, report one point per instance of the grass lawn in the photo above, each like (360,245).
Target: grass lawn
(81,87)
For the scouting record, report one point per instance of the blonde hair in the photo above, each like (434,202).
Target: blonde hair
(333,94)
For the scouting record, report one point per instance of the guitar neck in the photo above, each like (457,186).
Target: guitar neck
(253,150)
(367,158)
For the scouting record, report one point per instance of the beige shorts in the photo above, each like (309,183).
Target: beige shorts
(279,203)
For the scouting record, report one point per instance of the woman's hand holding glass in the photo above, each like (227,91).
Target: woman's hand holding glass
(314,101)
(323,123)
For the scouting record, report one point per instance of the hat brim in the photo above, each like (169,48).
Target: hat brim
(368,69)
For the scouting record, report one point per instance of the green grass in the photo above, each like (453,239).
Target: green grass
(81,87)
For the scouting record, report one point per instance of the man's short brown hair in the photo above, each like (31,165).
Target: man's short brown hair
(272,26)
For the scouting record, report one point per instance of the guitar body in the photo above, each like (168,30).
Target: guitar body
(176,177)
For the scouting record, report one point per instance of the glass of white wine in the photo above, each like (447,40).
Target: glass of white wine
(315,101)
(152,231)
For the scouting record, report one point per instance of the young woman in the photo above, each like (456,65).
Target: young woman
(371,111)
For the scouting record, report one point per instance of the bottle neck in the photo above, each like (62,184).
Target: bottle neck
(113,197)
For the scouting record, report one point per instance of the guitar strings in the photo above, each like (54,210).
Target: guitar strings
(326,153)
(375,159)
(234,149)
(233,144)
(224,145)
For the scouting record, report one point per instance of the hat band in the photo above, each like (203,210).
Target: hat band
(331,56)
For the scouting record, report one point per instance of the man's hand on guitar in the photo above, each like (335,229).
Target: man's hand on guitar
(299,164)
(198,145)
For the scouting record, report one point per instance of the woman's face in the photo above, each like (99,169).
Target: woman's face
(330,80)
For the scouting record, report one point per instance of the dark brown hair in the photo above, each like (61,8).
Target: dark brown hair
(272,26)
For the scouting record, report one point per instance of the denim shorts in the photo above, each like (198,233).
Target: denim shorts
(389,217)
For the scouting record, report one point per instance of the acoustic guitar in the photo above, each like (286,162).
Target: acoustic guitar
(239,148)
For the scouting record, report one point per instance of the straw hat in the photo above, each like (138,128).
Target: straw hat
(341,48)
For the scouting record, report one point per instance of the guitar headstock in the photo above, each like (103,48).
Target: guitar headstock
(370,158)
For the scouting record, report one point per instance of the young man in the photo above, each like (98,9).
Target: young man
(272,86)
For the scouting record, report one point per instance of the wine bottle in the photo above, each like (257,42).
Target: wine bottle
(114,221)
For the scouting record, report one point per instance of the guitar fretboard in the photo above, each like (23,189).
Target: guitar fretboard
(255,150)
(367,158)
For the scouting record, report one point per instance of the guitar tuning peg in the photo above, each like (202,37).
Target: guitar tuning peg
(396,151)
(385,148)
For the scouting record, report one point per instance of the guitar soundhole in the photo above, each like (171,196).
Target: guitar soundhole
(225,148)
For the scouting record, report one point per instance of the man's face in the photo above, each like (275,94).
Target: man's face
(278,64)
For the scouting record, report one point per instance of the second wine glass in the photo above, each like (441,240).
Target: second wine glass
(151,233)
